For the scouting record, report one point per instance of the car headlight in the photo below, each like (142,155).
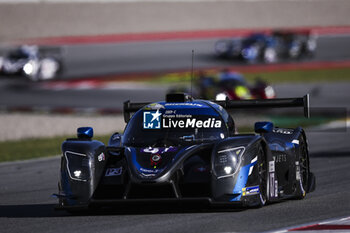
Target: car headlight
(227,161)
(78,166)
(221,97)
(269,92)
(28,68)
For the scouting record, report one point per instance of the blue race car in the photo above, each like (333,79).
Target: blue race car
(268,47)
(183,149)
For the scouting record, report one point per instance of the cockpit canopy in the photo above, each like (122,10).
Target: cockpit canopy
(175,123)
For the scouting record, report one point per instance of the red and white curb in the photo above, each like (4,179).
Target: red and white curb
(92,85)
(176,35)
(60,110)
(340,225)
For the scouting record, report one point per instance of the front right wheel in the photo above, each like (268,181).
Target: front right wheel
(302,169)
(262,177)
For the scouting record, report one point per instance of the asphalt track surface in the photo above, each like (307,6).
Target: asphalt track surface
(26,187)
(26,205)
(160,56)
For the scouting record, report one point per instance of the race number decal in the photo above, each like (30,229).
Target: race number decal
(114,171)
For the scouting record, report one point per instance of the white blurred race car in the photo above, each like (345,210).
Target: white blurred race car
(32,62)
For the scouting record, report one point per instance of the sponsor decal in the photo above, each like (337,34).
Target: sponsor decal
(282,131)
(272,184)
(158,150)
(101,157)
(280,158)
(151,119)
(150,171)
(150,150)
(276,188)
(272,166)
(253,190)
(155,160)
(297,170)
(114,171)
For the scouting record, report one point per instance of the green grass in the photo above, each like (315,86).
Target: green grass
(35,148)
(303,76)
(291,76)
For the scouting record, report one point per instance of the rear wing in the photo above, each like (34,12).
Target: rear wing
(269,103)
(129,107)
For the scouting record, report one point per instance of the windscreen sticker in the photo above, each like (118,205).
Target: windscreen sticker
(157,120)
(191,123)
(186,105)
(154,106)
(283,131)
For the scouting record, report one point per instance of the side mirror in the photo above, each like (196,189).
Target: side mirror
(115,150)
(85,132)
(115,139)
(263,127)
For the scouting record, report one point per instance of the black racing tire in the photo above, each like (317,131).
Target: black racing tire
(79,211)
(262,176)
(303,160)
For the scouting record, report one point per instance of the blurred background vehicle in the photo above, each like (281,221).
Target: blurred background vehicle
(226,84)
(268,47)
(32,62)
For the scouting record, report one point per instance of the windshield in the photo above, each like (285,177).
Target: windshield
(19,54)
(171,127)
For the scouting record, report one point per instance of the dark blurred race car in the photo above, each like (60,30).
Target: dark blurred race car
(268,47)
(184,150)
(32,62)
(227,85)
